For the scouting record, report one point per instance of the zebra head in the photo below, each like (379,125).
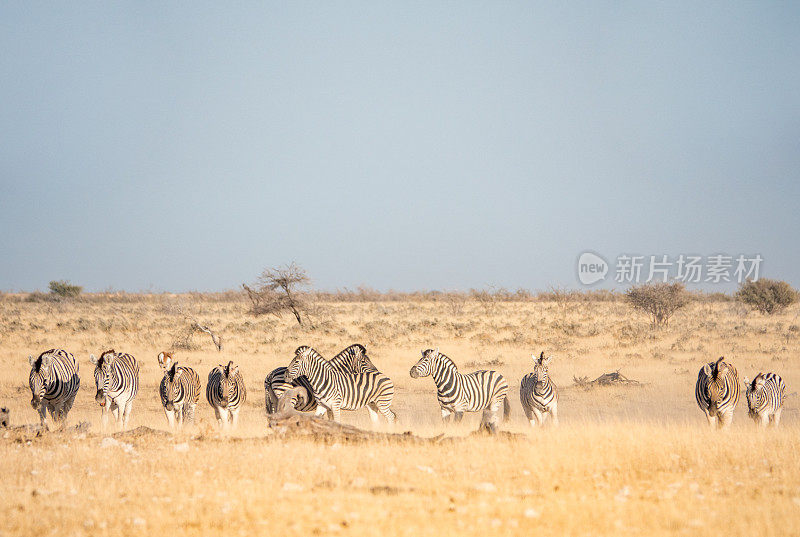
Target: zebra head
(39,377)
(754,391)
(172,383)
(424,366)
(540,370)
(299,364)
(716,388)
(227,383)
(102,374)
(361,362)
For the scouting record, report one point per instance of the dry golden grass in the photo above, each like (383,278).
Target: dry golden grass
(636,460)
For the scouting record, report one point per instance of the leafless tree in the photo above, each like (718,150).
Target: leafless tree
(278,290)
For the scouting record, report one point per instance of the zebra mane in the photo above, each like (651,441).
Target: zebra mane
(717,365)
(310,352)
(51,351)
(442,358)
(352,349)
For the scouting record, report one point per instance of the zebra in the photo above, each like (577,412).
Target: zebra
(717,392)
(765,396)
(179,390)
(117,379)
(226,393)
(276,384)
(459,393)
(352,359)
(538,393)
(336,390)
(54,382)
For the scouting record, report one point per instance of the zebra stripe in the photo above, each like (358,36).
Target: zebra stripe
(226,393)
(336,390)
(54,382)
(353,359)
(717,392)
(276,384)
(459,393)
(765,396)
(179,390)
(117,379)
(538,393)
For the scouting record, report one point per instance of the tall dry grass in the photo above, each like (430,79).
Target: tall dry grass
(627,460)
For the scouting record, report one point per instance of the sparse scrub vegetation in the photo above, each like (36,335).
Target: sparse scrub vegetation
(767,296)
(659,300)
(65,289)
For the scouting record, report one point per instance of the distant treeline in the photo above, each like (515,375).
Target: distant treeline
(364,294)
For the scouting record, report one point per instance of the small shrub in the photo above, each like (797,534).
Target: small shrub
(659,300)
(767,296)
(64,289)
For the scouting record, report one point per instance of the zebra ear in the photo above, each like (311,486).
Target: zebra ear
(161,359)
(31,360)
(533,357)
(707,370)
(437,350)
(232,370)
(547,360)
(747,382)
(93,358)
(45,362)
(178,372)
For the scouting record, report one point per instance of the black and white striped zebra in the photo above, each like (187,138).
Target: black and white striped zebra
(353,359)
(483,391)
(117,379)
(226,393)
(765,395)
(538,393)
(336,390)
(276,384)
(179,390)
(54,382)
(717,392)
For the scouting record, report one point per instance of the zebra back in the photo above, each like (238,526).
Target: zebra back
(717,387)
(765,394)
(353,359)
(464,392)
(277,383)
(116,375)
(180,385)
(537,389)
(54,376)
(225,388)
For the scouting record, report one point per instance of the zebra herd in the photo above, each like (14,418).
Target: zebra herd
(350,381)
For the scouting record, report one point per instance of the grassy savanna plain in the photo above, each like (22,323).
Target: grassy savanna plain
(635,460)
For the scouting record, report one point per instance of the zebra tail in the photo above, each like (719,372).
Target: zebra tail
(506,408)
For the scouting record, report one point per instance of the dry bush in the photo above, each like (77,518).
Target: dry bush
(767,296)
(278,291)
(64,289)
(659,300)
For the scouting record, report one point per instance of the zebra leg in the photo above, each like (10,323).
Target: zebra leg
(554,415)
(42,414)
(188,414)
(337,413)
(321,411)
(446,415)
(725,420)
(373,412)
(458,417)
(126,413)
(170,418)
(763,419)
(104,415)
(712,420)
(776,417)
(388,413)
(538,419)
(234,418)
(115,410)
(489,421)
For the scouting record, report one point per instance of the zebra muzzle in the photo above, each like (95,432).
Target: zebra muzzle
(35,403)
(413,372)
(169,406)
(100,398)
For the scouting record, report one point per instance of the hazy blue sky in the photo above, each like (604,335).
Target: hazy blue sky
(395,145)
